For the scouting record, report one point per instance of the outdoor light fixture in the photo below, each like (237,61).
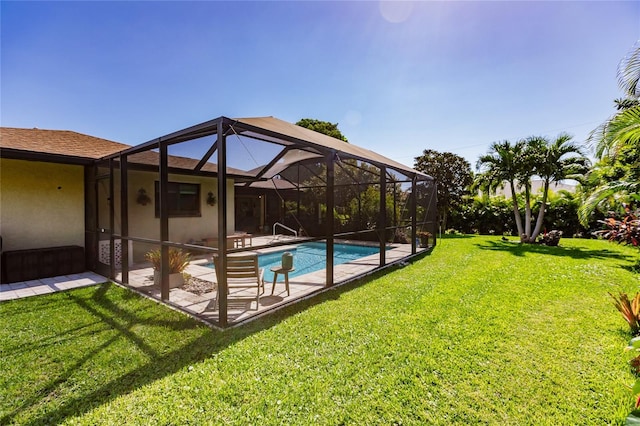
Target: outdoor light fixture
(211,199)
(142,198)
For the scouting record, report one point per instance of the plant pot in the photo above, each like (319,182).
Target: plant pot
(175,280)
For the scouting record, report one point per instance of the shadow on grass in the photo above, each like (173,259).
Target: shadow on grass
(518,249)
(127,323)
(634,267)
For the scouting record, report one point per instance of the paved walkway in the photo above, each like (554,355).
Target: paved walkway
(49,285)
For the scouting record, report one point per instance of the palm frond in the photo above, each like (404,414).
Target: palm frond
(629,72)
(602,193)
(624,129)
(620,130)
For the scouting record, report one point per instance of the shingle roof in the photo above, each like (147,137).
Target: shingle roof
(58,142)
(152,158)
(65,143)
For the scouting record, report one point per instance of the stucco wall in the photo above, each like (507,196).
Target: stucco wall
(41,204)
(142,220)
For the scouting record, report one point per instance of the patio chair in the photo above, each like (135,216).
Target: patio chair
(242,272)
(284,269)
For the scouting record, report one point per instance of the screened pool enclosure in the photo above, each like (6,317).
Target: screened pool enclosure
(166,217)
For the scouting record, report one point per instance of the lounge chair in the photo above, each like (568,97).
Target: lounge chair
(242,272)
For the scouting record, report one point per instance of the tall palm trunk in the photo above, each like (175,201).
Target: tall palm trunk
(527,210)
(543,207)
(516,210)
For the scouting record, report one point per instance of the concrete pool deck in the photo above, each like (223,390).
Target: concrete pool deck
(241,304)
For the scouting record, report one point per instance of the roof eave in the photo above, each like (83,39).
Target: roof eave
(19,154)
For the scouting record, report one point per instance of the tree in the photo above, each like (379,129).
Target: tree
(453,177)
(502,164)
(528,158)
(518,163)
(556,160)
(356,183)
(617,145)
(325,127)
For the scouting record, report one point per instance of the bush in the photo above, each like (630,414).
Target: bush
(625,230)
(551,238)
(482,215)
(424,237)
(630,309)
(178,260)
(401,236)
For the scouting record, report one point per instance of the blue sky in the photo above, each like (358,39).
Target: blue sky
(398,77)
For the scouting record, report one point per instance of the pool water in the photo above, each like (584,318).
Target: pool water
(311,257)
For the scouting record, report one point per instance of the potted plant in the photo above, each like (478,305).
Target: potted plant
(423,237)
(551,238)
(178,261)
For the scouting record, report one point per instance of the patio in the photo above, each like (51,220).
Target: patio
(241,304)
(22,289)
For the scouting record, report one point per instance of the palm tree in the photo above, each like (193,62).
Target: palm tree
(617,141)
(532,154)
(622,130)
(557,160)
(629,73)
(502,164)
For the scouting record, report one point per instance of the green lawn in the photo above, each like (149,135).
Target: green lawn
(478,332)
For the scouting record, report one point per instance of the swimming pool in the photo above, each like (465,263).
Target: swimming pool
(311,257)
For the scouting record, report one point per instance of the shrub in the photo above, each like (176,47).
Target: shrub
(634,345)
(551,238)
(178,260)
(630,309)
(400,236)
(625,230)
(423,236)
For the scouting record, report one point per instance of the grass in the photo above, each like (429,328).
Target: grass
(480,331)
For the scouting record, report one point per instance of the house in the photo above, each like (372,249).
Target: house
(43,187)
(536,187)
(66,195)
(43,175)
(54,193)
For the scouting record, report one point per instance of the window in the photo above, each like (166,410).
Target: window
(184,199)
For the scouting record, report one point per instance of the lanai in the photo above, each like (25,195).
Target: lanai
(327,190)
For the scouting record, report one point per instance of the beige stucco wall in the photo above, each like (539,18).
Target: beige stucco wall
(41,204)
(142,220)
